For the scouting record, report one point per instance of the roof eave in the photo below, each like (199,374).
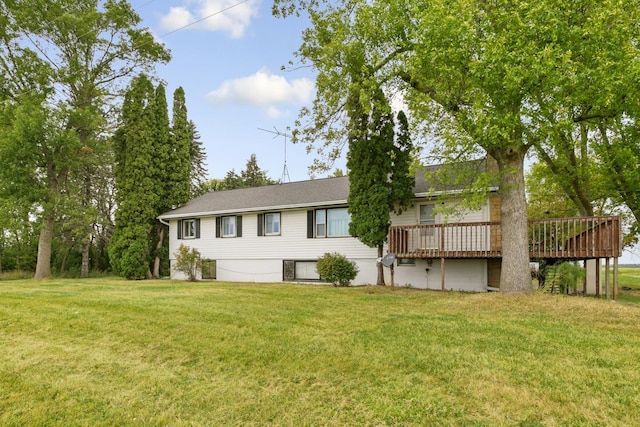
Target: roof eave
(252,209)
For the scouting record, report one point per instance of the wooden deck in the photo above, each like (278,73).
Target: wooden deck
(563,238)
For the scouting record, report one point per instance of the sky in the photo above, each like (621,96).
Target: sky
(230,65)
(228,56)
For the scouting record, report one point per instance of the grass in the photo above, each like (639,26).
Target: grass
(104,352)
(628,284)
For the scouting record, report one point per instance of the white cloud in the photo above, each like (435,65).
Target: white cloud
(264,90)
(216,15)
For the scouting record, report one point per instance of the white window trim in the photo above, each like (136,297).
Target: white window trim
(279,224)
(188,226)
(433,206)
(326,223)
(235,227)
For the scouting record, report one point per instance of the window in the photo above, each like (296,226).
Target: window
(321,223)
(406,261)
(269,224)
(229,226)
(427,218)
(426,214)
(300,270)
(338,222)
(328,223)
(189,228)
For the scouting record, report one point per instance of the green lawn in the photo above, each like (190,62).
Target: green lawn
(628,284)
(111,352)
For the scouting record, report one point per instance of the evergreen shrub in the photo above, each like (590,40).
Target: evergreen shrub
(337,269)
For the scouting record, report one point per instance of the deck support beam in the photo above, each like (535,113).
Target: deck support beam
(615,278)
(442,273)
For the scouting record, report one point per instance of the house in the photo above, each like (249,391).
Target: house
(276,234)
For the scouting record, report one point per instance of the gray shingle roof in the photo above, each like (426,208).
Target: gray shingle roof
(316,192)
(301,194)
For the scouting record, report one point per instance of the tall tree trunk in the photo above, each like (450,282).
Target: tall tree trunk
(380,280)
(43,265)
(515,277)
(63,264)
(156,261)
(84,270)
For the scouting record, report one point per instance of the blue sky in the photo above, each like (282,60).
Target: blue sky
(229,65)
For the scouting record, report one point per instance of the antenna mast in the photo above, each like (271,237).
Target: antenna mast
(285,171)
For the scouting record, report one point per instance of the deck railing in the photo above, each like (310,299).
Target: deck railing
(570,238)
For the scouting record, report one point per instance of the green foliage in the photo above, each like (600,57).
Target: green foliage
(337,269)
(484,78)
(129,251)
(251,176)
(379,177)
(135,171)
(566,276)
(57,92)
(545,195)
(188,262)
(198,169)
(180,160)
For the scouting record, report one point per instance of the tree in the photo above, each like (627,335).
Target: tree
(162,158)
(198,162)
(183,135)
(374,160)
(545,195)
(483,77)
(251,176)
(135,173)
(62,65)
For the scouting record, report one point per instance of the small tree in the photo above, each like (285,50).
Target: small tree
(337,269)
(188,261)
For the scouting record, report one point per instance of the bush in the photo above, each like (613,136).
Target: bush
(188,261)
(337,269)
(565,276)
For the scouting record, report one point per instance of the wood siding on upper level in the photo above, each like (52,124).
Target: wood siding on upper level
(566,238)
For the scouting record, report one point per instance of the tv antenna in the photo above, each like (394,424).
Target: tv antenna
(285,171)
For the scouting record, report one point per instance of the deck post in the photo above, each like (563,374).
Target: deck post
(606,278)
(615,278)
(597,277)
(442,273)
(584,281)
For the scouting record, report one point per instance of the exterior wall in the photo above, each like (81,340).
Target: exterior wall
(253,258)
(412,215)
(459,275)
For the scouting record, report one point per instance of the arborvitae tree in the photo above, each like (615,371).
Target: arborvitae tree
(198,163)
(379,179)
(182,132)
(135,196)
(162,149)
(81,53)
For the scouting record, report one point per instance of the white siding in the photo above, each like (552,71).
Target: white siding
(412,215)
(253,258)
(459,275)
